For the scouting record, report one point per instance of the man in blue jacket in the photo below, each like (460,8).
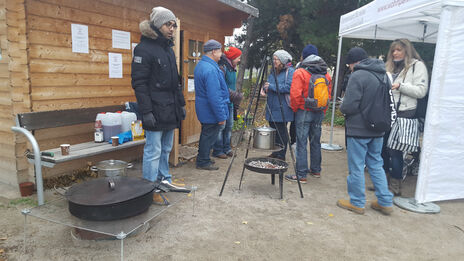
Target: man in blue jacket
(211,101)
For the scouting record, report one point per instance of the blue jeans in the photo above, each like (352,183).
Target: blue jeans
(308,125)
(208,136)
(155,164)
(222,145)
(367,152)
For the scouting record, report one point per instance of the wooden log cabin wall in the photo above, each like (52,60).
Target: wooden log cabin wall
(39,71)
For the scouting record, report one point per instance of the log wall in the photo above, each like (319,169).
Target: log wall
(14,91)
(39,71)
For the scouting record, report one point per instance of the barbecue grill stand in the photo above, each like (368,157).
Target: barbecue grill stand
(257,90)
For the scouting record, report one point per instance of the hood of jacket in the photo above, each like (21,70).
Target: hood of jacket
(152,32)
(373,65)
(314,64)
(224,61)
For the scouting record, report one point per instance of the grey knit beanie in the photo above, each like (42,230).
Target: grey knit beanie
(283,56)
(160,15)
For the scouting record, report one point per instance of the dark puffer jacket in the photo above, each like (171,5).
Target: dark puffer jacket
(360,92)
(155,79)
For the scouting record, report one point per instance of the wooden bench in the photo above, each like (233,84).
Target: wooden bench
(52,119)
(28,122)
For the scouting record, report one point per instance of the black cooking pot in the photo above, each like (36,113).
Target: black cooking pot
(110,198)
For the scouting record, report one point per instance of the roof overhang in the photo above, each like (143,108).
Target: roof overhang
(246,8)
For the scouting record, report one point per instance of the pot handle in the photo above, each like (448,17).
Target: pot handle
(111,184)
(130,165)
(94,168)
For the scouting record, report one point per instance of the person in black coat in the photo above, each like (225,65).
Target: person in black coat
(155,80)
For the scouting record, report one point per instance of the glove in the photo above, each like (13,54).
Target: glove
(184,113)
(148,121)
(235,97)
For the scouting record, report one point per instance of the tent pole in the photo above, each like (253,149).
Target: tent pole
(332,146)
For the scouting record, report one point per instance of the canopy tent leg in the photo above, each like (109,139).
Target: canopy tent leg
(330,146)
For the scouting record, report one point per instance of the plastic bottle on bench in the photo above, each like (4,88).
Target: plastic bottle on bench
(98,134)
(127,119)
(111,125)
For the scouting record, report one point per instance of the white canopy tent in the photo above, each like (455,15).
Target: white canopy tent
(441,171)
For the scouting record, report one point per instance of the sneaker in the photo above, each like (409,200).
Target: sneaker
(384,210)
(315,174)
(230,154)
(160,199)
(221,156)
(345,204)
(293,178)
(208,167)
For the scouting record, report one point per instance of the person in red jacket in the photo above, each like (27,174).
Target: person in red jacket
(308,123)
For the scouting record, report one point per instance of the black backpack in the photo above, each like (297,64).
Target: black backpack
(380,113)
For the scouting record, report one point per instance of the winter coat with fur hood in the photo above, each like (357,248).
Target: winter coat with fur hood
(155,79)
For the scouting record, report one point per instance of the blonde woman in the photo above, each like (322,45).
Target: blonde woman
(409,79)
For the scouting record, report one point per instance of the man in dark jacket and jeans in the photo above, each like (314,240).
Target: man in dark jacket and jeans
(364,145)
(159,96)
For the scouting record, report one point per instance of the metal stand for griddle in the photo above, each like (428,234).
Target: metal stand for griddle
(56,211)
(257,93)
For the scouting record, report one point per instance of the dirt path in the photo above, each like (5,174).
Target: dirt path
(253,224)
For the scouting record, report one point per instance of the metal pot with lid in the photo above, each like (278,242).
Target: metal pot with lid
(110,198)
(263,138)
(111,168)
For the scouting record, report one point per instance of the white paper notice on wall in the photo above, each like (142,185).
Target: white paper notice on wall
(191,85)
(80,38)
(121,40)
(115,65)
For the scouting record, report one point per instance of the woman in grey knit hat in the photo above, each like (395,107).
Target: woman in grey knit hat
(283,74)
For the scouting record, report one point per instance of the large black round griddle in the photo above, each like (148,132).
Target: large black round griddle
(110,198)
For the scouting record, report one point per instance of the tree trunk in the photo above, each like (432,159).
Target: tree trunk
(244,59)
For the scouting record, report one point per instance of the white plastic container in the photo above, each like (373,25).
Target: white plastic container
(111,125)
(127,118)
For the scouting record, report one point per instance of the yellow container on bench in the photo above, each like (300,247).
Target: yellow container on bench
(137,130)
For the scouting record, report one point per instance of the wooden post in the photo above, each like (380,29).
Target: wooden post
(174,156)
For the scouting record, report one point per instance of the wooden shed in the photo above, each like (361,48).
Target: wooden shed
(40,72)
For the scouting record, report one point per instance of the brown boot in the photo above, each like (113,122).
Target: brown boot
(160,199)
(395,186)
(343,203)
(384,210)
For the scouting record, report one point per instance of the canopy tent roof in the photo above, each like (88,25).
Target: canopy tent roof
(416,20)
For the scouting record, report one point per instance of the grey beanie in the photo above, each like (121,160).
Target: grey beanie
(160,15)
(211,45)
(283,56)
